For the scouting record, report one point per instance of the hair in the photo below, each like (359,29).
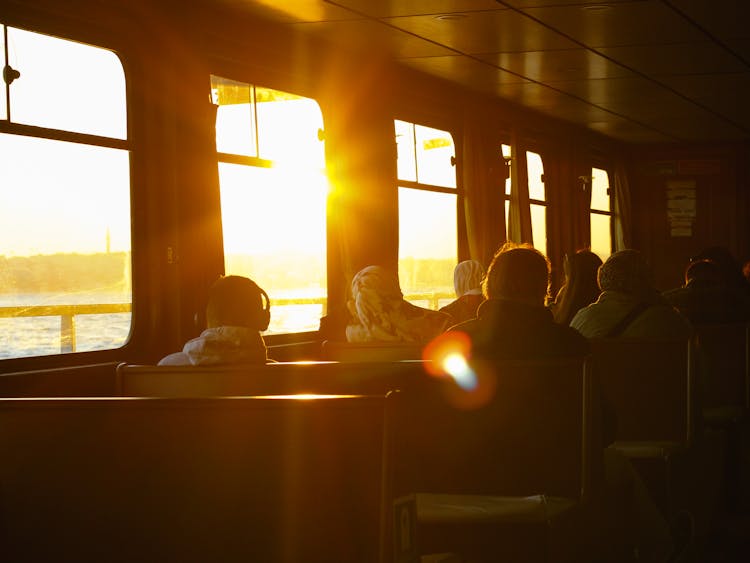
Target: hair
(581,287)
(518,272)
(706,271)
(730,268)
(626,271)
(237,301)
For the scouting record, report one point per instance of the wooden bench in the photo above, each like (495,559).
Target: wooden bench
(506,477)
(193,480)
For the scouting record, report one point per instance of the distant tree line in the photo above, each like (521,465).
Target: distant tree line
(65,273)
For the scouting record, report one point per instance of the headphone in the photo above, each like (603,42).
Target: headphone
(265,314)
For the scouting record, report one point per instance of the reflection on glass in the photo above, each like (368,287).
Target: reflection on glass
(428,241)
(407,163)
(601,238)
(535,170)
(66,85)
(64,243)
(235,119)
(539,227)
(599,189)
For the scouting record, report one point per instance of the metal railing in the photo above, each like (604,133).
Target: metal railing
(68,313)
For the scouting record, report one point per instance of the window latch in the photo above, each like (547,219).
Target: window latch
(10,74)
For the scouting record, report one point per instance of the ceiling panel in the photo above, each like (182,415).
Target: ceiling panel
(552,66)
(389,8)
(362,34)
(632,89)
(676,58)
(484,32)
(479,75)
(291,11)
(629,131)
(722,18)
(624,23)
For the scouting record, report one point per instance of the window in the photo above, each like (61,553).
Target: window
(273,197)
(537,200)
(65,265)
(601,214)
(506,151)
(427,203)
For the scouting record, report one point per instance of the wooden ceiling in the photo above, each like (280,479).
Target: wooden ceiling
(639,71)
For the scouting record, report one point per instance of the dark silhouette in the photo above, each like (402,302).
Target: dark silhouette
(580,288)
(238,310)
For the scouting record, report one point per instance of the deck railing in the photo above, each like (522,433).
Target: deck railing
(68,313)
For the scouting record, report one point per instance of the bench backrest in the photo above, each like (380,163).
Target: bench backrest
(526,430)
(724,356)
(649,384)
(230,479)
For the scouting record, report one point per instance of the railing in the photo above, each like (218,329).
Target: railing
(68,313)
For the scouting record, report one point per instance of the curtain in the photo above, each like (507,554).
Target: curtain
(623,216)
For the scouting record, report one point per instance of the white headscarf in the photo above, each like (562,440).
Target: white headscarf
(467,278)
(381,313)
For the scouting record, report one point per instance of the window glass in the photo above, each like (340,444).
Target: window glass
(65,282)
(539,227)
(506,155)
(66,85)
(435,156)
(535,171)
(428,224)
(3,91)
(599,189)
(274,218)
(405,144)
(601,238)
(235,116)
(427,246)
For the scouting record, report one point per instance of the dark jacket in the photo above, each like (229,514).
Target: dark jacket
(508,330)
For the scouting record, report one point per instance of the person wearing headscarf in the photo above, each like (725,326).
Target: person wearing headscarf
(380,313)
(629,305)
(467,282)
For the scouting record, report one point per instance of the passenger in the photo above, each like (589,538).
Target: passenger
(730,267)
(707,297)
(580,287)
(513,323)
(629,305)
(238,310)
(467,282)
(380,313)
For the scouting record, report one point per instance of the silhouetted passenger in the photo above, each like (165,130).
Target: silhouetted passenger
(380,313)
(467,282)
(513,323)
(580,288)
(629,305)
(238,310)
(707,298)
(729,266)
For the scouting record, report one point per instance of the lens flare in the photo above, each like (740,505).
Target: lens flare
(456,366)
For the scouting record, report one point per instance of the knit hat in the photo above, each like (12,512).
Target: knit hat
(626,271)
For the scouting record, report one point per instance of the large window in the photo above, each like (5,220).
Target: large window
(537,200)
(65,282)
(273,197)
(427,202)
(601,214)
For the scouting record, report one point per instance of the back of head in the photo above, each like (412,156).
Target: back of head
(626,271)
(237,301)
(728,266)
(581,284)
(704,272)
(518,273)
(377,283)
(467,277)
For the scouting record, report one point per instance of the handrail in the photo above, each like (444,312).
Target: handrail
(67,313)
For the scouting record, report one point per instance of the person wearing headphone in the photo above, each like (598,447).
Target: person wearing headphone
(238,310)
